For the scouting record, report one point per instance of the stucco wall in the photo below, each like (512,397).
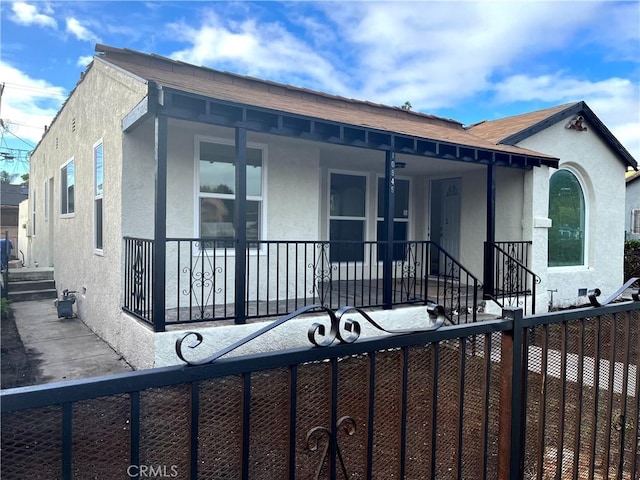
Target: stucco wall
(602,178)
(292,334)
(92,112)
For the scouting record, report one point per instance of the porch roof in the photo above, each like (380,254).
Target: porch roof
(511,130)
(220,90)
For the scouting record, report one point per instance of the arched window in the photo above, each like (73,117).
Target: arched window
(567,213)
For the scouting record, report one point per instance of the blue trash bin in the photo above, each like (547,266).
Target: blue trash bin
(5,252)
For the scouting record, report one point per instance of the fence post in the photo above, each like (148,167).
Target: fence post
(510,410)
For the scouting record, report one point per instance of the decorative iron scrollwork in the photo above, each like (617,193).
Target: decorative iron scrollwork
(322,272)
(341,328)
(202,280)
(410,266)
(138,269)
(317,434)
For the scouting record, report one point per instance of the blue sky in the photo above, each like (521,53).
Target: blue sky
(465,60)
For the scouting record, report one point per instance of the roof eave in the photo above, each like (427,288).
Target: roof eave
(282,123)
(575,109)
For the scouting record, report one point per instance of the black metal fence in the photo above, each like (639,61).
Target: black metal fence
(283,276)
(550,396)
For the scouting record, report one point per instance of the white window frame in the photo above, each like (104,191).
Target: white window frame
(63,171)
(46,200)
(98,196)
(367,205)
(33,212)
(635,221)
(263,147)
(585,198)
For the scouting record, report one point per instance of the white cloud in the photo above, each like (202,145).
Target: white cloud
(84,60)
(438,54)
(28,104)
(81,32)
(266,50)
(25,14)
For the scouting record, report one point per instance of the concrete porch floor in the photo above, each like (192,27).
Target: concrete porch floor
(62,349)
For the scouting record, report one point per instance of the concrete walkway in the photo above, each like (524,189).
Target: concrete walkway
(62,349)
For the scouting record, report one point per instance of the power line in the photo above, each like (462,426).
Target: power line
(21,139)
(53,91)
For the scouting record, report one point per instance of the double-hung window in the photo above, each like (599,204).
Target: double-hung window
(217,190)
(347,217)
(97,194)
(400,216)
(67,188)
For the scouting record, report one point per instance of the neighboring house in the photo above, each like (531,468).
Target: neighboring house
(10,198)
(168,194)
(632,207)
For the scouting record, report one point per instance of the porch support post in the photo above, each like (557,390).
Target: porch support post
(241,224)
(489,252)
(389,201)
(160,224)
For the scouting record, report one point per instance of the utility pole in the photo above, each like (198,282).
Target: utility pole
(1,90)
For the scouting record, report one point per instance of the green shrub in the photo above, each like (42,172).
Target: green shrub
(631,259)
(4,306)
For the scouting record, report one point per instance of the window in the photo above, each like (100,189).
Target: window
(347,217)
(400,216)
(635,221)
(567,213)
(217,196)
(67,188)
(33,212)
(98,181)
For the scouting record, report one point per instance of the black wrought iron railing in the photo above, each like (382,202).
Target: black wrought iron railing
(282,276)
(515,284)
(517,249)
(138,278)
(450,284)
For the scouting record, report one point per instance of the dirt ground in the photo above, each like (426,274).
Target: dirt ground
(17,369)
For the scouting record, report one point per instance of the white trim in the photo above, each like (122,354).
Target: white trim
(33,212)
(97,196)
(63,167)
(46,200)
(635,226)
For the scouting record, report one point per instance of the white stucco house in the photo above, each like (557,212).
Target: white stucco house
(632,207)
(174,197)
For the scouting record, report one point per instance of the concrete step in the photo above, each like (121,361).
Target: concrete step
(30,285)
(29,274)
(28,295)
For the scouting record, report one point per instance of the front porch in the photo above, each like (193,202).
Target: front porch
(407,207)
(279,277)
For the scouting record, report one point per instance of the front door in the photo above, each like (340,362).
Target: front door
(445,219)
